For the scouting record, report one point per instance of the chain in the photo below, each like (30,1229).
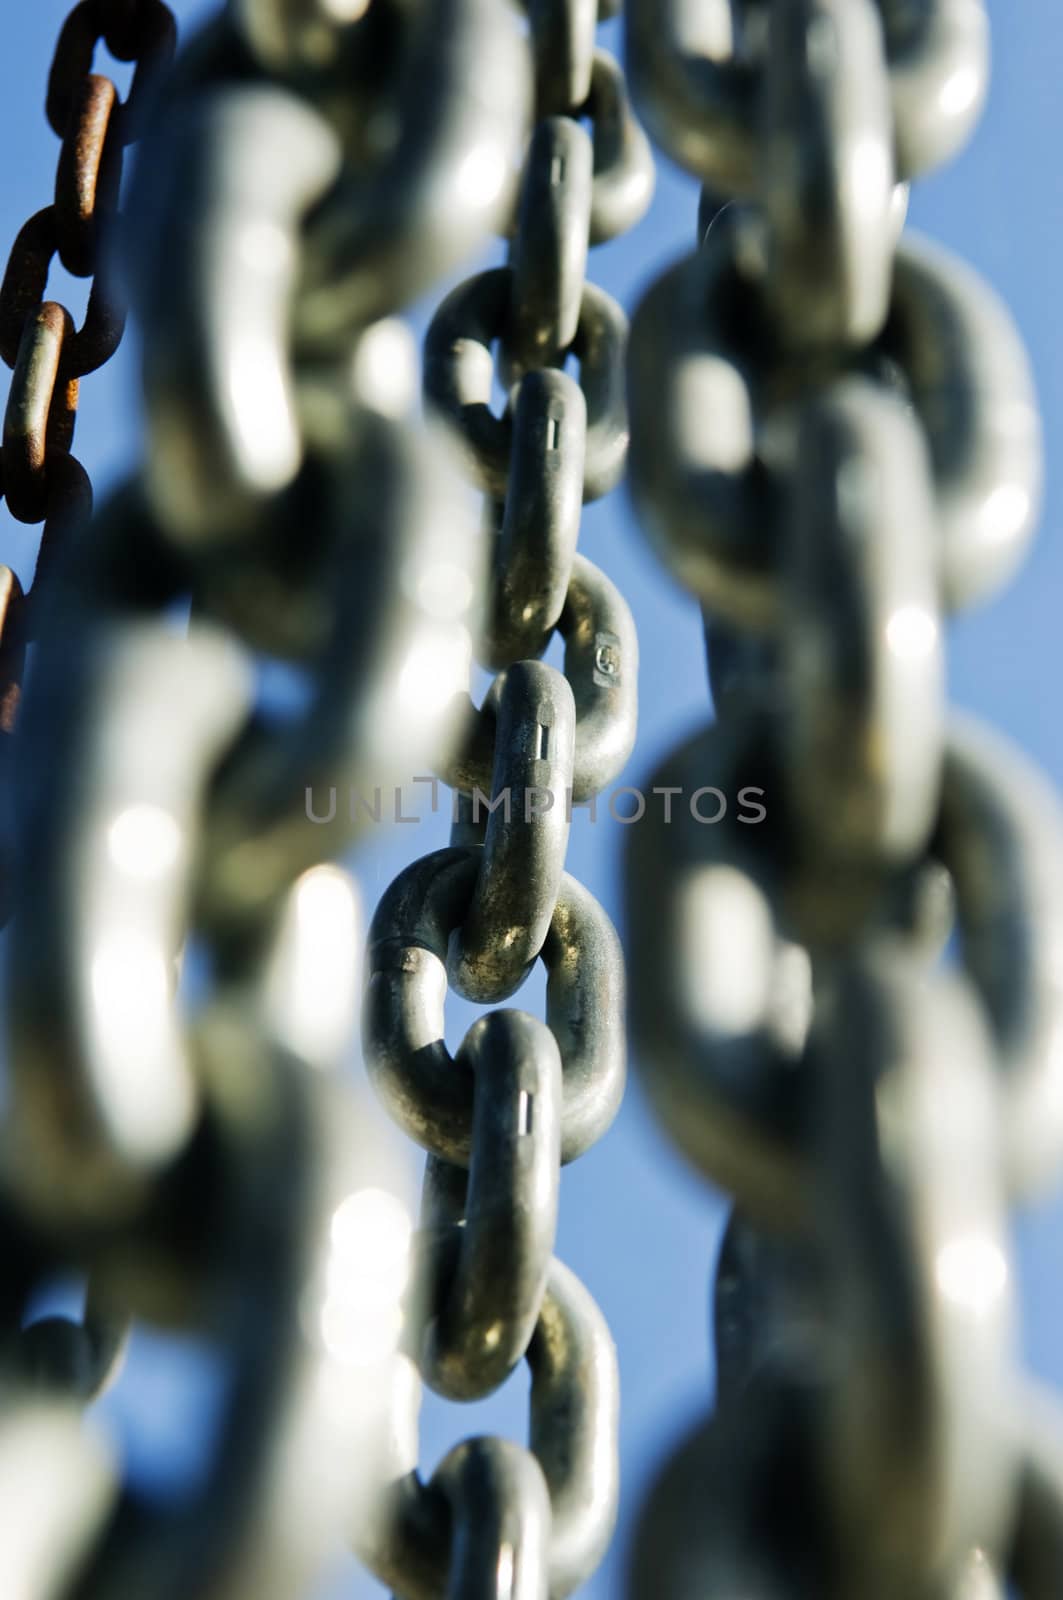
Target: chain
(846,999)
(200,1163)
(520,1096)
(849,1015)
(41,480)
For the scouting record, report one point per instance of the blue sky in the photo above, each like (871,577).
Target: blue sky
(636,1225)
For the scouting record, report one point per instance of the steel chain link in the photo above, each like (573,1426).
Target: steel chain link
(850,1015)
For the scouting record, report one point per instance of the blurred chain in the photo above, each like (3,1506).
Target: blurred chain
(851,1014)
(520,1097)
(849,1010)
(305,173)
(42,481)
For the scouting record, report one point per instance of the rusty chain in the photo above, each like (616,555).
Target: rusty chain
(40,479)
(849,1017)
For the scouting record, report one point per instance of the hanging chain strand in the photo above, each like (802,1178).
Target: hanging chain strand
(203,1166)
(520,1097)
(43,482)
(835,445)
(40,479)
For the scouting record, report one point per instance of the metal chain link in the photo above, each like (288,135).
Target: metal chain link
(849,1015)
(520,1098)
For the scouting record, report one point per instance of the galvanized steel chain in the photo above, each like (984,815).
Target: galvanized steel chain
(521,1096)
(850,1014)
(305,174)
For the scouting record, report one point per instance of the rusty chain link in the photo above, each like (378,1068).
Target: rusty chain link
(850,1016)
(40,479)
